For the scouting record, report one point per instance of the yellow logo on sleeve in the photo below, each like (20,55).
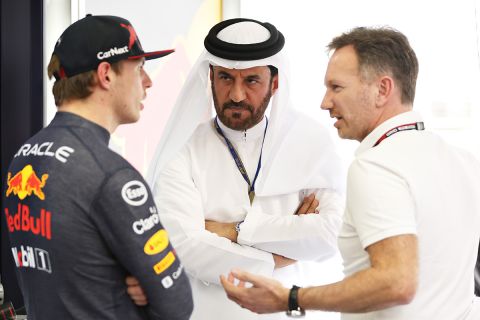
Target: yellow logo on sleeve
(157,243)
(164,263)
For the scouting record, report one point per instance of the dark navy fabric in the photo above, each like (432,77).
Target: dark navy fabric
(80,219)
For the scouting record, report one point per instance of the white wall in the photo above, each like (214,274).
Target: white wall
(444,34)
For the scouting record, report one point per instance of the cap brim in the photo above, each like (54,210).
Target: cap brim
(153,55)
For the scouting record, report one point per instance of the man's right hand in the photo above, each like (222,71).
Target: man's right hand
(135,291)
(309,205)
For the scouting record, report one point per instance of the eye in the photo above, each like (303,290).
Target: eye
(336,88)
(223,76)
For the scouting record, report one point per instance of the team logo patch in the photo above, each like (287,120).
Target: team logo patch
(134,193)
(22,221)
(164,263)
(26,182)
(142,225)
(29,257)
(157,243)
(167,282)
(45,149)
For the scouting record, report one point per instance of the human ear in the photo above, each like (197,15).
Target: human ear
(104,71)
(211,73)
(385,87)
(274,84)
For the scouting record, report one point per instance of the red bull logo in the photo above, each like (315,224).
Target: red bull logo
(26,182)
(22,221)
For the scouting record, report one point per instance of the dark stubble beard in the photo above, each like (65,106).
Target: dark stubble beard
(252,120)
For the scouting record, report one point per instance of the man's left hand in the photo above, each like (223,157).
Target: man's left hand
(222,229)
(265,296)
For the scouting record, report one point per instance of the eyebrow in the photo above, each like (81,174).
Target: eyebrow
(253,77)
(223,73)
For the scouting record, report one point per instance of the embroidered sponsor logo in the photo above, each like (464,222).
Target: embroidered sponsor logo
(165,263)
(29,257)
(157,243)
(142,225)
(168,281)
(134,193)
(26,182)
(23,222)
(43,149)
(112,52)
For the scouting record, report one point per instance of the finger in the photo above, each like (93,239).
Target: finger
(248,277)
(313,206)
(135,291)
(140,302)
(305,204)
(138,299)
(131,281)
(227,282)
(229,287)
(231,278)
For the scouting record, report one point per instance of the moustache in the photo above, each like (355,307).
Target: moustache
(237,105)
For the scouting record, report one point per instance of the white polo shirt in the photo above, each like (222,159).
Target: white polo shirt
(413,182)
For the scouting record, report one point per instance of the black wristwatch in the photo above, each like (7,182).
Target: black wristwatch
(294,311)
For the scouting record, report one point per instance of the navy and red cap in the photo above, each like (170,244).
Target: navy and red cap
(94,39)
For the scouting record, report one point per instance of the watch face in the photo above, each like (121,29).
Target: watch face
(296,313)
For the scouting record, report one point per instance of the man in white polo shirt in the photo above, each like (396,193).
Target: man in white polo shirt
(412,221)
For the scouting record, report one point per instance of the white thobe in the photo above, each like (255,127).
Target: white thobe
(204,183)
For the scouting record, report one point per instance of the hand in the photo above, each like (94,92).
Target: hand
(226,230)
(135,291)
(309,205)
(266,295)
(281,261)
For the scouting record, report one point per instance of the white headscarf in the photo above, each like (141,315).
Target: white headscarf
(297,152)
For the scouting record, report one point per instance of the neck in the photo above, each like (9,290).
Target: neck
(92,110)
(388,112)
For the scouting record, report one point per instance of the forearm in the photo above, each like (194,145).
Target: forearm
(390,280)
(301,237)
(207,255)
(365,291)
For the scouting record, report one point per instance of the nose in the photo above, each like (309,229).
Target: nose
(326,102)
(147,82)
(237,92)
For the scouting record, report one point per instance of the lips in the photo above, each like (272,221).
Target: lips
(339,118)
(240,106)
(237,108)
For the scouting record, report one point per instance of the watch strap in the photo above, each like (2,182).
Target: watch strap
(293,298)
(294,309)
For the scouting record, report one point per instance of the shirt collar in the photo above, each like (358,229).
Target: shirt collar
(398,120)
(68,119)
(253,133)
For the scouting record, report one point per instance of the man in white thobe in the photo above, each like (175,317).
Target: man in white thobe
(243,190)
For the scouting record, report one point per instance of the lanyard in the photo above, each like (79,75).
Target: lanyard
(239,163)
(403,127)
